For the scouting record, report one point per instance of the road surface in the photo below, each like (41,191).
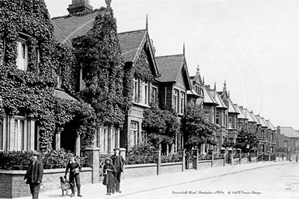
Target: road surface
(256,180)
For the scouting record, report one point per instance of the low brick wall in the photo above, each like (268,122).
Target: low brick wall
(171,167)
(218,163)
(204,164)
(139,170)
(12,183)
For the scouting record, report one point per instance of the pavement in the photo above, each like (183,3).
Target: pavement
(133,187)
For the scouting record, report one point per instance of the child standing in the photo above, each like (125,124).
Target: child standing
(109,176)
(74,168)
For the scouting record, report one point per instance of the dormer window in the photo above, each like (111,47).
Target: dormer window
(22,54)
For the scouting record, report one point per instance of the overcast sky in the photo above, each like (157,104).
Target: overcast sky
(252,44)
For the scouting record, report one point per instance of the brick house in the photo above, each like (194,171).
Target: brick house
(208,103)
(137,49)
(174,84)
(232,121)
(221,118)
(288,140)
(22,129)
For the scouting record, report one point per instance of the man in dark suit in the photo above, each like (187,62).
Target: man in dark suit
(118,162)
(34,175)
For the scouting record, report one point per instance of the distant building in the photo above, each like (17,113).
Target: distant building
(288,140)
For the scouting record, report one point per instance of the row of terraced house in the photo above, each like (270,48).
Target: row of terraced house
(173,86)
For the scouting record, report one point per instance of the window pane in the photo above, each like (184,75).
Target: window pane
(1,136)
(22,56)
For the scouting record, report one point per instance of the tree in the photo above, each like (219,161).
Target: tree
(160,125)
(198,129)
(246,138)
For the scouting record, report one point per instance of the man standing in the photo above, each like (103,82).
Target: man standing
(118,162)
(34,175)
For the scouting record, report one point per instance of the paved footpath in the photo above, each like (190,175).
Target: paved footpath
(133,187)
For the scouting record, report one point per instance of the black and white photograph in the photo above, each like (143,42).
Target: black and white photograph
(149,99)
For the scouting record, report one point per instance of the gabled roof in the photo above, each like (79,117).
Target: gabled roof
(270,125)
(242,110)
(240,115)
(130,43)
(253,117)
(289,132)
(247,114)
(208,98)
(169,67)
(264,123)
(231,108)
(63,95)
(258,118)
(197,77)
(68,27)
(218,99)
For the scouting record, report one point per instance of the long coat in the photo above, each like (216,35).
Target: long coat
(34,173)
(109,176)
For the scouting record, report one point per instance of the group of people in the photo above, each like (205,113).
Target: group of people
(112,174)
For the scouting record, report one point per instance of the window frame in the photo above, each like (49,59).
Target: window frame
(176,100)
(22,46)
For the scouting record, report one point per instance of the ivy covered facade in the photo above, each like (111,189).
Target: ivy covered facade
(39,104)
(74,82)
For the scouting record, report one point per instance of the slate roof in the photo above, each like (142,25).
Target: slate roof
(270,125)
(264,123)
(218,99)
(247,114)
(259,120)
(130,43)
(231,108)
(67,28)
(289,132)
(63,95)
(208,98)
(169,67)
(253,117)
(240,115)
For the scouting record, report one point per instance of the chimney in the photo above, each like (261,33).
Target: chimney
(79,6)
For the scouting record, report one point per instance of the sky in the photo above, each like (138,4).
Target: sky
(253,45)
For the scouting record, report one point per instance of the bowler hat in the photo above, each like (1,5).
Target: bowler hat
(116,149)
(35,153)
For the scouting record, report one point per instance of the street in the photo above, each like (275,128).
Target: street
(241,181)
(255,180)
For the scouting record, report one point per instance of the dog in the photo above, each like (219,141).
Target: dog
(64,185)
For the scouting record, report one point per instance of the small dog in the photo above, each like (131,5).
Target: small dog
(64,185)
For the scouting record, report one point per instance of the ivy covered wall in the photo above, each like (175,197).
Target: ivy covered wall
(99,54)
(30,92)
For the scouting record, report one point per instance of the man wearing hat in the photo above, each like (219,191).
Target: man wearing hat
(118,162)
(34,175)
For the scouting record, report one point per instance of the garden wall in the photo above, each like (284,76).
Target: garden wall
(171,167)
(218,163)
(139,170)
(12,183)
(204,164)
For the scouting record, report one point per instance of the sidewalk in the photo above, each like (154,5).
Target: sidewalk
(136,185)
